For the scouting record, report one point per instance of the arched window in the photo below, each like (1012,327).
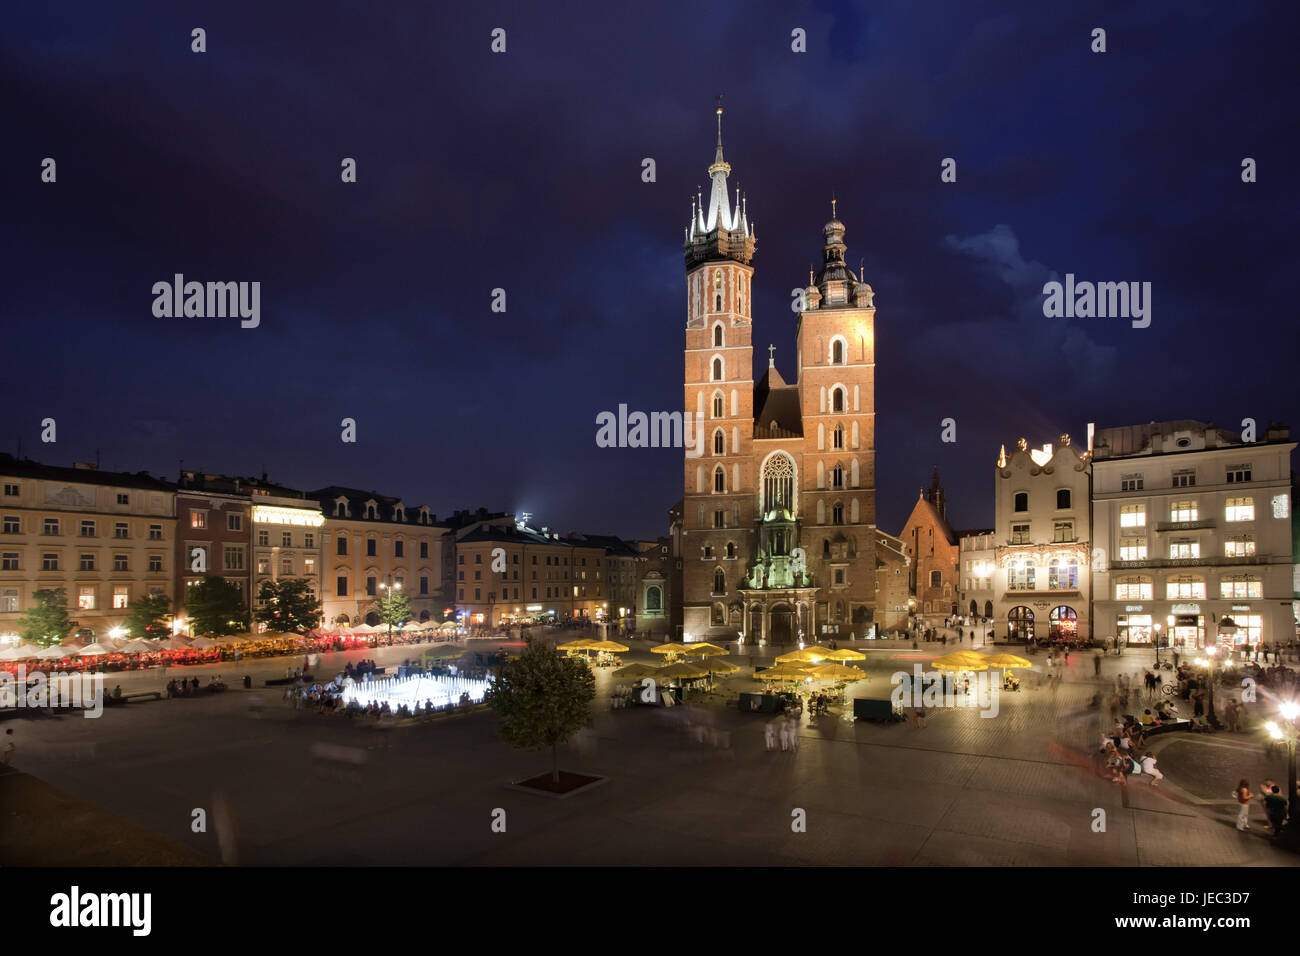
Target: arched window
(1020,623)
(717,404)
(717,370)
(719,582)
(1063,498)
(837,476)
(717,335)
(1062,624)
(988,609)
(719,479)
(837,513)
(653,599)
(731,549)
(837,400)
(778,483)
(719,442)
(1022,501)
(837,352)
(717,290)
(719,615)
(837,437)
(826,547)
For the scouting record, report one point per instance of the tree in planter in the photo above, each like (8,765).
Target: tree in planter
(149,616)
(46,622)
(288,605)
(542,697)
(215,606)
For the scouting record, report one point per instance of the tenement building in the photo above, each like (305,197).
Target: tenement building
(513,573)
(1193,527)
(779,511)
(213,533)
(931,544)
(372,543)
(105,539)
(1040,575)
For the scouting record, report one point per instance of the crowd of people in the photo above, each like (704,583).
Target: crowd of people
(180,687)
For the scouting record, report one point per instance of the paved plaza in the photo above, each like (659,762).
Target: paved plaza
(1014,790)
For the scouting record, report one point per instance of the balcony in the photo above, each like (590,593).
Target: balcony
(1207,561)
(1197,525)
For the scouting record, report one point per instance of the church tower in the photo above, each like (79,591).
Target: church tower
(719,380)
(779,510)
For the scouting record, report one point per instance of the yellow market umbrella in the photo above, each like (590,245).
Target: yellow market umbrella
(705,649)
(611,646)
(961,662)
(807,655)
(1007,660)
(688,670)
(669,648)
(783,672)
(846,654)
(582,644)
(837,672)
(717,665)
(637,671)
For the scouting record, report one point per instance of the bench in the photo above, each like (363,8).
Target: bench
(282,681)
(110,700)
(1167,726)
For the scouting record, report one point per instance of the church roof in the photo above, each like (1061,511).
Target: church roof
(927,509)
(776,403)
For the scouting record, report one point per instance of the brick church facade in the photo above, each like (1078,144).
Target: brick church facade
(779,512)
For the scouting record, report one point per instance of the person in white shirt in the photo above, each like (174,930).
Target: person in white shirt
(1149,768)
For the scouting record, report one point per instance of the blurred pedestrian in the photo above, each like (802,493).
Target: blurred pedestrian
(1243,797)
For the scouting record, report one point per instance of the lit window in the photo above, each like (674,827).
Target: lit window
(121,596)
(1240,509)
(1184,510)
(198,519)
(1133,516)
(1133,589)
(1240,586)
(1282,506)
(1184,588)
(1184,549)
(1239,546)
(86,598)
(1132,549)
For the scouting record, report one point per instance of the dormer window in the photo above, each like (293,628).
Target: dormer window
(341,510)
(371,512)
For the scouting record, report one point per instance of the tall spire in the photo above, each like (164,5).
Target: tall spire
(720,228)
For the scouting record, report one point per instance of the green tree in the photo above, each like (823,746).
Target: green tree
(215,606)
(46,622)
(542,697)
(288,605)
(392,607)
(149,616)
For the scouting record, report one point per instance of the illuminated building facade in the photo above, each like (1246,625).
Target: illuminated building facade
(1192,525)
(779,511)
(373,542)
(1040,578)
(213,533)
(931,544)
(106,538)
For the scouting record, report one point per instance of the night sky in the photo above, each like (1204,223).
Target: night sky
(523,171)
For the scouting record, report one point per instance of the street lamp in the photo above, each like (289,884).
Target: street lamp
(1210,654)
(1287,732)
(388,606)
(1156,628)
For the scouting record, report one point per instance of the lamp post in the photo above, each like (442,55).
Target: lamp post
(1156,627)
(388,605)
(1287,732)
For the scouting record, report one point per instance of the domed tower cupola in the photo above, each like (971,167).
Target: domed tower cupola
(835,280)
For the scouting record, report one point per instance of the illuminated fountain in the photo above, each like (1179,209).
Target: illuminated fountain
(441,690)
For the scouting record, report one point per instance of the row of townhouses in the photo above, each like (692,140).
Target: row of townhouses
(109,538)
(1175,532)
